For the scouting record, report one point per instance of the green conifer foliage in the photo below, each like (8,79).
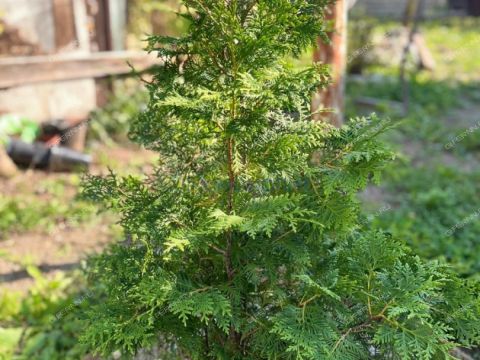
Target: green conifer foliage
(242,246)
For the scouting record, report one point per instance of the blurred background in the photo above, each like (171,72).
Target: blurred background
(72,76)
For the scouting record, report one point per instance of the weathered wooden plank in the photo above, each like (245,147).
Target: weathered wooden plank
(36,69)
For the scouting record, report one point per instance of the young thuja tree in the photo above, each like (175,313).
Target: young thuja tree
(244,244)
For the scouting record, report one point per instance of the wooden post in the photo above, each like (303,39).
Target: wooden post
(335,55)
(71,33)
(103,42)
(118,23)
(63,15)
(81,25)
(102,38)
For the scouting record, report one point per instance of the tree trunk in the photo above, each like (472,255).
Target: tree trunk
(335,55)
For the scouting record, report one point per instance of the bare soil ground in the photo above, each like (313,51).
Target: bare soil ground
(65,246)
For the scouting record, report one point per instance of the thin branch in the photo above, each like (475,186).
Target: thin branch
(220,251)
(406,51)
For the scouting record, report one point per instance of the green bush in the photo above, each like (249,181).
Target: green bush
(43,325)
(243,241)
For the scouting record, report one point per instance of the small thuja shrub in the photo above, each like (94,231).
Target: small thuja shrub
(243,241)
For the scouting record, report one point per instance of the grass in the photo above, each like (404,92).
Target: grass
(43,324)
(433,187)
(20,214)
(455,45)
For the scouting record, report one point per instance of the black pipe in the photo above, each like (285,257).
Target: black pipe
(40,156)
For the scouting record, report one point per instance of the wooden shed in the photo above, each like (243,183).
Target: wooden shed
(55,53)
